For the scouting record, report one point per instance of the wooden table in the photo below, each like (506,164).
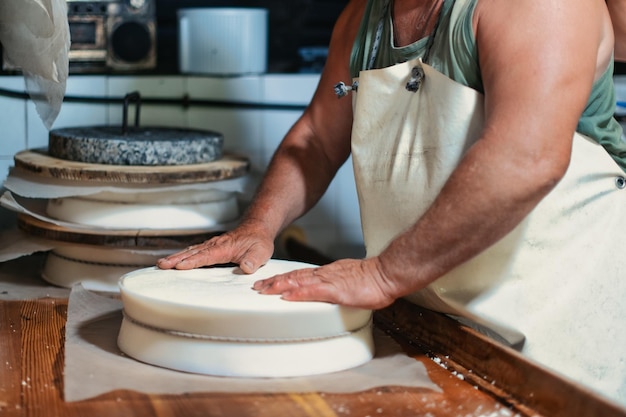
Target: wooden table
(496,381)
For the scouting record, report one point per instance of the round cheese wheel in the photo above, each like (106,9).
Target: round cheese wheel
(162,211)
(97,268)
(211,321)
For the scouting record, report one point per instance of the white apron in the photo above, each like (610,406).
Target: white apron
(559,278)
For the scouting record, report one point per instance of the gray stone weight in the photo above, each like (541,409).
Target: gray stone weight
(139,146)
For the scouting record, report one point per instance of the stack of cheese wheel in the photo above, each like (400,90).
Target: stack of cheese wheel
(155,190)
(211,321)
(97,268)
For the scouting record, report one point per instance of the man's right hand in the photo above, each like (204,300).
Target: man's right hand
(245,246)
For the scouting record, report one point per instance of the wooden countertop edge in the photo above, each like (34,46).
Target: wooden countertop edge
(493,367)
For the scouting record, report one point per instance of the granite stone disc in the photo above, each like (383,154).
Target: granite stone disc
(145,146)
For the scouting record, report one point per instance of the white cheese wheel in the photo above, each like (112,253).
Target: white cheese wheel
(149,210)
(211,321)
(97,268)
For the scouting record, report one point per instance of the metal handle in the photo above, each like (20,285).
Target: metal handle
(136,97)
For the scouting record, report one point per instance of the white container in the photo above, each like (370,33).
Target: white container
(222,41)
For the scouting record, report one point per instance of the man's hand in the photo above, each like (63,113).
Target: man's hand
(245,246)
(348,282)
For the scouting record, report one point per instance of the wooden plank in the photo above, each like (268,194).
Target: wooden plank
(10,363)
(37,161)
(41,359)
(42,356)
(141,238)
(494,368)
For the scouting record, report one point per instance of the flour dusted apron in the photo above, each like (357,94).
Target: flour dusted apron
(558,278)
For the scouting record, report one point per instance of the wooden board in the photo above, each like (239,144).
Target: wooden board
(37,161)
(31,384)
(145,238)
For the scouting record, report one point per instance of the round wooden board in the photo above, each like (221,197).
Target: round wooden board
(158,239)
(37,161)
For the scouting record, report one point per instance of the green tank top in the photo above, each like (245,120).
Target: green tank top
(454,53)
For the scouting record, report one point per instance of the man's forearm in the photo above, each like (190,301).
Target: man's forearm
(297,177)
(477,206)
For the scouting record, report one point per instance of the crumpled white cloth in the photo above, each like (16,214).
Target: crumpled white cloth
(35,36)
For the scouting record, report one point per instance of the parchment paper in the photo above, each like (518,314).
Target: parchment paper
(20,279)
(94,365)
(14,244)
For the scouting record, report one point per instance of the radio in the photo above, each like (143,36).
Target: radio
(115,35)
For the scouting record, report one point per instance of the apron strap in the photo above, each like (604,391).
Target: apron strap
(417,74)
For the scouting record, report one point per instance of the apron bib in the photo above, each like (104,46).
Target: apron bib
(558,278)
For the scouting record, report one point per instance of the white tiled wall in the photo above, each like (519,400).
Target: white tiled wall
(333,226)
(158,87)
(12,122)
(72,114)
(241,127)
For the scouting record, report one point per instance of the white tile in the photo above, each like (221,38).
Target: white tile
(275,125)
(289,88)
(256,165)
(5,164)
(119,86)
(245,89)
(12,117)
(12,82)
(228,114)
(240,128)
(86,86)
(148,87)
(334,223)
